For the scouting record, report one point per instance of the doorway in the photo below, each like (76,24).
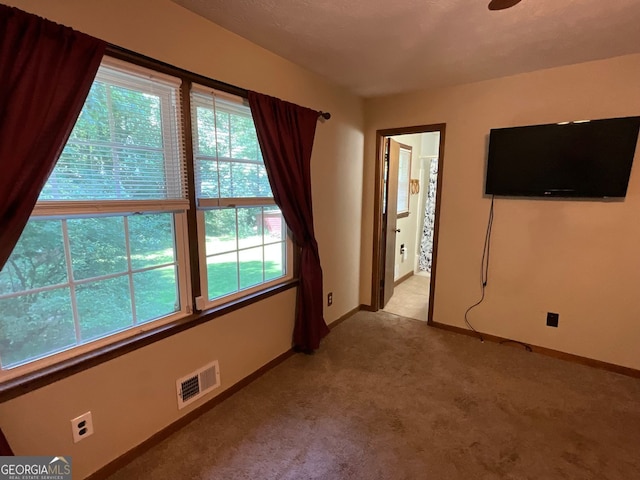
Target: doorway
(408,188)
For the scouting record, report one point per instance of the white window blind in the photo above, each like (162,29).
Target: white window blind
(229,164)
(125,145)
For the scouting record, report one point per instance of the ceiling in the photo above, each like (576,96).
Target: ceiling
(376,47)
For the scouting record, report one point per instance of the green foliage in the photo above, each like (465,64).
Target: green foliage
(39,323)
(116,140)
(221,222)
(229,161)
(98,246)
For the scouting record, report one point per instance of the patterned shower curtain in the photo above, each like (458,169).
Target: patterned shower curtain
(426,244)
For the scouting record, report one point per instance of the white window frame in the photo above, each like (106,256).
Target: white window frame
(203,302)
(184,289)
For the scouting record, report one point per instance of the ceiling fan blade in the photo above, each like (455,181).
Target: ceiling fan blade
(502,4)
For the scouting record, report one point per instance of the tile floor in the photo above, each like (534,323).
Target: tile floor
(411,298)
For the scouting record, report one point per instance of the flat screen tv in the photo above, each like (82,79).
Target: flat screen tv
(588,159)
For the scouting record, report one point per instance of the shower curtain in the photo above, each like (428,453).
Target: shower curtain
(426,244)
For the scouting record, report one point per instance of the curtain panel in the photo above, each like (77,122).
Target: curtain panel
(285,133)
(46,71)
(5,449)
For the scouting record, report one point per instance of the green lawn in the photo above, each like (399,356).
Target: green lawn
(224,279)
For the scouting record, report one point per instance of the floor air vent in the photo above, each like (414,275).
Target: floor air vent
(198,384)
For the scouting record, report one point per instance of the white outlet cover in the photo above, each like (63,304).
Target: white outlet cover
(77,426)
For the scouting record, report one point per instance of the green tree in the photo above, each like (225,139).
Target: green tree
(36,323)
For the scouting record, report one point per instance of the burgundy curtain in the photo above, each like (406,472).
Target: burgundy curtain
(5,449)
(285,133)
(46,71)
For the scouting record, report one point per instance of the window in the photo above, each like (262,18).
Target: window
(104,250)
(241,231)
(404,174)
(105,254)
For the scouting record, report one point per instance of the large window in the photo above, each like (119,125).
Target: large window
(241,231)
(106,251)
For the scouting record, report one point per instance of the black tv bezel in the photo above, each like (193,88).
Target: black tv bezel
(558,193)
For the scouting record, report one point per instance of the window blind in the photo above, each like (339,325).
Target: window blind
(126,144)
(228,160)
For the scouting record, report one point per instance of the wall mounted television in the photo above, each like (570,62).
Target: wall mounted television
(585,159)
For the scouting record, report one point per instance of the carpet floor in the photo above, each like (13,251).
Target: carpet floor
(386,397)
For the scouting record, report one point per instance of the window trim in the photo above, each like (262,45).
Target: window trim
(35,375)
(405,212)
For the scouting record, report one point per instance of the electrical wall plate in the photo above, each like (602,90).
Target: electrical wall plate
(82,427)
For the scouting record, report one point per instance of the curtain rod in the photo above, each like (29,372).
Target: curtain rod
(145,61)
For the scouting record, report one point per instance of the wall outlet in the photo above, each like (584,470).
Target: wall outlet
(329,299)
(552,319)
(82,427)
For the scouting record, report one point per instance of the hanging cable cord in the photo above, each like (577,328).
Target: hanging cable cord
(484,270)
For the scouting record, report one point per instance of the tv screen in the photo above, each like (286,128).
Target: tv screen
(572,159)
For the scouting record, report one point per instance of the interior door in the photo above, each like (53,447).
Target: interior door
(390,217)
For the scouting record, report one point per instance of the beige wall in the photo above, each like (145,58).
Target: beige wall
(133,396)
(578,258)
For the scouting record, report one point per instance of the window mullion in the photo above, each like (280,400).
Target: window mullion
(72,286)
(237,249)
(32,291)
(264,257)
(181,261)
(233,191)
(127,245)
(192,248)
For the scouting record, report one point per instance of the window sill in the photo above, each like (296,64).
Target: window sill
(28,382)
(403,214)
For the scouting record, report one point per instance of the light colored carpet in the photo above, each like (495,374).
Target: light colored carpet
(411,298)
(390,398)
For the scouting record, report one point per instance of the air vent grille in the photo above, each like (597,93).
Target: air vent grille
(190,388)
(197,384)
(208,378)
